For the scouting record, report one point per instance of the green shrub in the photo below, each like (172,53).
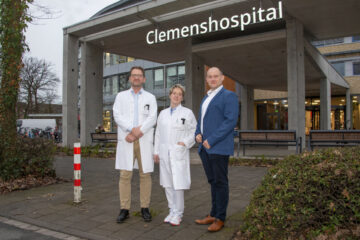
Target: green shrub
(308,196)
(34,157)
(97,151)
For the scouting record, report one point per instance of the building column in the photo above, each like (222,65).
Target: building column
(348,117)
(70,90)
(194,80)
(247,108)
(296,77)
(91,91)
(325,104)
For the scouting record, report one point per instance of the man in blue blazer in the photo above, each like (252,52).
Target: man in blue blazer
(218,115)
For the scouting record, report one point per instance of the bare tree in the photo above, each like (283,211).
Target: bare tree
(39,12)
(38,82)
(49,98)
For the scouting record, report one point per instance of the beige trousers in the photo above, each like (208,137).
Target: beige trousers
(125,183)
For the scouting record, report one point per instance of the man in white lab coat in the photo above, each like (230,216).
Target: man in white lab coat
(135,112)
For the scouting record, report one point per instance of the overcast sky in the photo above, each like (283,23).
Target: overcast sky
(45,37)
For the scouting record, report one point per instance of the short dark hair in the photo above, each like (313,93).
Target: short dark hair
(221,73)
(138,68)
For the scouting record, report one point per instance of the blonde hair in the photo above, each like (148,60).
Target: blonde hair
(182,88)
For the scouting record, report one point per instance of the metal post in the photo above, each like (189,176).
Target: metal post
(77,173)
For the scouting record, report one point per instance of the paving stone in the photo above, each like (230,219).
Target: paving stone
(127,234)
(52,207)
(161,232)
(187,233)
(102,218)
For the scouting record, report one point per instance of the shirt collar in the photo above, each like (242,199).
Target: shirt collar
(139,92)
(210,92)
(173,109)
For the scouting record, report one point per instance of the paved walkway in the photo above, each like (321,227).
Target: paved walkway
(52,207)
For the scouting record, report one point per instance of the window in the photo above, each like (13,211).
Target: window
(107,59)
(181,74)
(356,38)
(356,68)
(175,75)
(107,86)
(123,82)
(340,67)
(115,85)
(122,59)
(149,84)
(328,42)
(159,78)
(171,76)
(112,59)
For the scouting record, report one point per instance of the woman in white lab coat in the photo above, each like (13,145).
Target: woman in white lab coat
(174,137)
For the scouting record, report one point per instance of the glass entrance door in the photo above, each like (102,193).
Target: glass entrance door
(338,118)
(273,121)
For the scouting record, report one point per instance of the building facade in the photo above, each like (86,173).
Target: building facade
(282,80)
(344,55)
(159,79)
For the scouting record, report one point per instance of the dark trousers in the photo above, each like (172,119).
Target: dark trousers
(216,169)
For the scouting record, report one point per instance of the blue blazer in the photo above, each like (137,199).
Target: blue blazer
(219,122)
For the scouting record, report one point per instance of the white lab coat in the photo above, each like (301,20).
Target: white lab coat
(123,111)
(175,159)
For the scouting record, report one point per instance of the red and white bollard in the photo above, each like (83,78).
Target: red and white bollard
(77,173)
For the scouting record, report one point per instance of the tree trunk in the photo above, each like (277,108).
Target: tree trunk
(28,104)
(36,103)
(12,44)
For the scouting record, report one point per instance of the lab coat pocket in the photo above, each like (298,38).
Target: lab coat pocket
(179,153)
(180,125)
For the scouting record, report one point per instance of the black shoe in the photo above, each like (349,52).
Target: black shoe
(124,214)
(146,215)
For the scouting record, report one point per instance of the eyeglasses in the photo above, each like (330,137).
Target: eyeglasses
(137,75)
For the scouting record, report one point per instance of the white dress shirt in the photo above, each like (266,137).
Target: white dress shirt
(211,95)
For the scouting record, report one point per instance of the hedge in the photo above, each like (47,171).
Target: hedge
(315,195)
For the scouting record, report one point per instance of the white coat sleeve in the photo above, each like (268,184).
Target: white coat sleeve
(151,119)
(189,139)
(157,137)
(118,116)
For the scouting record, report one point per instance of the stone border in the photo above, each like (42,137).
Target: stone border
(37,229)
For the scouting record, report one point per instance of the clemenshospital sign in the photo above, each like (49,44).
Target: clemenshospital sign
(258,15)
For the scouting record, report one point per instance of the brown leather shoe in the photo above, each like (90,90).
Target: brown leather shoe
(207,220)
(216,226)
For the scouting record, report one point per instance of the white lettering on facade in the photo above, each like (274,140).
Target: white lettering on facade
(212,25)
(148,37)
(224,23)
(162,36)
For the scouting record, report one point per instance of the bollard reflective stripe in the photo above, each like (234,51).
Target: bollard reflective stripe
(77,182)
(77,150)
(77,166)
